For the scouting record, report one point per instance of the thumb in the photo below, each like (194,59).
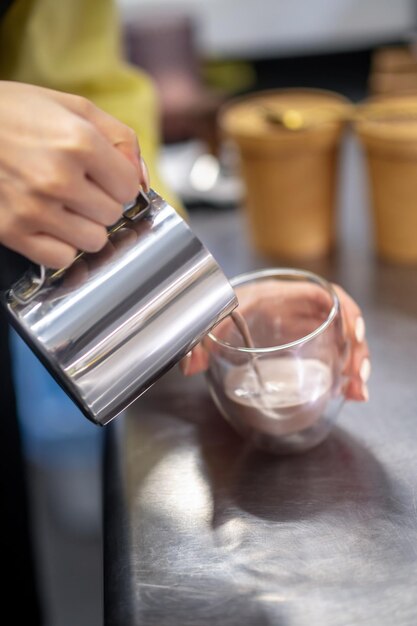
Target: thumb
(133,154)
(119,135)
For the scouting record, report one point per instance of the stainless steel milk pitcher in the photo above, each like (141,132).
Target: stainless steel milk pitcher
(108,326)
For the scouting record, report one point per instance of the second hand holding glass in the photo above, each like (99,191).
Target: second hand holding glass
(282,388)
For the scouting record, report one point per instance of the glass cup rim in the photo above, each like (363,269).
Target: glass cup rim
(247,277)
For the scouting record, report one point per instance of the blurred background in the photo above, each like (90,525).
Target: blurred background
(200,53)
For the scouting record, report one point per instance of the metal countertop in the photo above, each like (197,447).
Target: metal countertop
(202,530)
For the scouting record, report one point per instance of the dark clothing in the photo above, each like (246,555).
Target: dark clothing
(15,529)
(4,5)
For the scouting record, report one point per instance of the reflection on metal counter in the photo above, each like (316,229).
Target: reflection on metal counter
(203,530)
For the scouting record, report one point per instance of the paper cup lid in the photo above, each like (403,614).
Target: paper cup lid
(284,115)
(388,119)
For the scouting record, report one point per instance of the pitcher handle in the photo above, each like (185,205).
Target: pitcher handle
(131,211)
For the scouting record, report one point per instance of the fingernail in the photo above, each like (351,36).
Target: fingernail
(365,370)
(186,362)
(365,393)
(360,330)
(145,174)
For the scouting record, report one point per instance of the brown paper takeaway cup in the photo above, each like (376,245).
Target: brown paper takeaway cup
(288,142)
(387,128)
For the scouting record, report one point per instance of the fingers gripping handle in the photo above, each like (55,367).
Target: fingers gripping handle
(32,282)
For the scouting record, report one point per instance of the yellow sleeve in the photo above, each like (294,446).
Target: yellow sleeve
(75,46)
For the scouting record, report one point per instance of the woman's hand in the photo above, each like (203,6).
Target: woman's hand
(306,310)
(358,367)
(66,168)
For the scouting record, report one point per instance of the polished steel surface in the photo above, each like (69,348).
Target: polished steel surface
(113,322)
(202,530)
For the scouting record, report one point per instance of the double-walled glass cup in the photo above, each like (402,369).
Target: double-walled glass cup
(281,386)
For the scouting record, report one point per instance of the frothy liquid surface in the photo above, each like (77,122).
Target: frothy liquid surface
(293,394)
